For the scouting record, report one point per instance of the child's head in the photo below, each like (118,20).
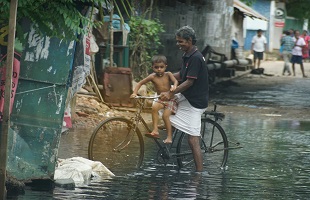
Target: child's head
(159,64)
(159,59)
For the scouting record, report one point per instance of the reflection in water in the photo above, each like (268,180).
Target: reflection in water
(273,164)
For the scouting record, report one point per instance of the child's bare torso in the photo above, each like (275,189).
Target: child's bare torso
(161,83)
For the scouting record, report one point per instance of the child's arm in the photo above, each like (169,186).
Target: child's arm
(142,82)
(174,80)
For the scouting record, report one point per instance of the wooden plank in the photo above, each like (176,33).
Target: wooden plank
(7,97)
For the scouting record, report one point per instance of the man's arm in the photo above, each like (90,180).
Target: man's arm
(177,76)
(252,46)
(184,86)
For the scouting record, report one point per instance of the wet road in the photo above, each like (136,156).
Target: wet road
(273,163)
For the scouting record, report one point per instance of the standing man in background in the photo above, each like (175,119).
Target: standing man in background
(259,45)
(287,43)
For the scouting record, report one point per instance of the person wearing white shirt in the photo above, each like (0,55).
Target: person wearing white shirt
(259,45)
(299,43)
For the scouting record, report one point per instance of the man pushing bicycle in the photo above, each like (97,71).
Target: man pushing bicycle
(193,92)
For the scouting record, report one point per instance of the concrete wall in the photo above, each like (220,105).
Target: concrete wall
(277,31)
(212,21)
(263,7)
(237,28)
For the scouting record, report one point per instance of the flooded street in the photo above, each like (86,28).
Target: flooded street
(268,116)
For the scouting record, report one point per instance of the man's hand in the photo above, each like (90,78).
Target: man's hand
(165,96)
(173,88)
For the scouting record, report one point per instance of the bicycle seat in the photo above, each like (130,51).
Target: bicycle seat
(217,115)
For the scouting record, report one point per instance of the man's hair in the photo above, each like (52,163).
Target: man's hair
(187,32)
(287,32)
(158,59)
(259,30)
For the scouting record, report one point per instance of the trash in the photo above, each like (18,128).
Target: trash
(257,71)
(80,170)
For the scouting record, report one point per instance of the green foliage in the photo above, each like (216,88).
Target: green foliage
(298,9)
(248,2)
(60,18)
(144,42)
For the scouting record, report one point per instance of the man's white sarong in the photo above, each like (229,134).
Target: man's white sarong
(187,117)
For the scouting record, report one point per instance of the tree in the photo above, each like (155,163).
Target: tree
(298,9)
(63,19)
(248,2)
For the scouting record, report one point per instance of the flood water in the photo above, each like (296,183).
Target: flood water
(273,163)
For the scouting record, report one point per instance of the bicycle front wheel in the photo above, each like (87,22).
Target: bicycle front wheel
(117,145)
(213,144)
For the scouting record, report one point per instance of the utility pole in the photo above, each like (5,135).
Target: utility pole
(7,98)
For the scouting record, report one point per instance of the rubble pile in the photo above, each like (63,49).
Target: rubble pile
(90,111)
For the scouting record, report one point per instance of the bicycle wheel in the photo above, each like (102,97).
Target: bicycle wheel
(117,145)
(214,147)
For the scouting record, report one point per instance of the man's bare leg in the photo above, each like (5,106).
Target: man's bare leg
(193,142)
(258,63)
(302,70)
(254,63)
(293,67)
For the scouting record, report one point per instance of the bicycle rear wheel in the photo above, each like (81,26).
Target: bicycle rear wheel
(213,144)
(117,145)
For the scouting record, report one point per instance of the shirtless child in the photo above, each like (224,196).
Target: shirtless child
(162,82)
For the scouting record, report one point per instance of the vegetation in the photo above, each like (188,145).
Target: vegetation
(62,18)
(144,42)
(144,39)
(248,2)
(65,19)
(298,9)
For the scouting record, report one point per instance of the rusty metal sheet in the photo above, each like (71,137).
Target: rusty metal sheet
(117,86)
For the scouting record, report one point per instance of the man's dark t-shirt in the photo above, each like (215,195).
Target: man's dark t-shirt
(194,67)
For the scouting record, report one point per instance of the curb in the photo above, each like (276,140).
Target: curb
(239,75)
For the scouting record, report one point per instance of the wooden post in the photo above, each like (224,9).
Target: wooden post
(111,35)
(7,98)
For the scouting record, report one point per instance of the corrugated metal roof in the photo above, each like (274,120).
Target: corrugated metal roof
(248,11)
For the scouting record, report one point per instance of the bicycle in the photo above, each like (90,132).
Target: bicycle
(118,143)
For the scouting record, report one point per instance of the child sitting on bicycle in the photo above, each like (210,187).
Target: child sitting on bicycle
(162,82)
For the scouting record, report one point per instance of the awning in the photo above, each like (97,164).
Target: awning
(248,11)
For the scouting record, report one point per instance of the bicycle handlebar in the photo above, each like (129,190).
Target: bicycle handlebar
(147,97)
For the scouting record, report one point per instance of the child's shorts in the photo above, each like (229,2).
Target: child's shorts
(171,105)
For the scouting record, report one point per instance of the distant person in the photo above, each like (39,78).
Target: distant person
(305,49)
(299,43)
(287,44)
(259,45)
(292,32)
(162,82)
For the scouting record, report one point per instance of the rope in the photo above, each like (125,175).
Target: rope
(54,86)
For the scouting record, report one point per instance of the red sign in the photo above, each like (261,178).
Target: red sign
(279,24)
(15,76)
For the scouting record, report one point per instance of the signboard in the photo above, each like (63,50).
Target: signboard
(280,15)
(279,24)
